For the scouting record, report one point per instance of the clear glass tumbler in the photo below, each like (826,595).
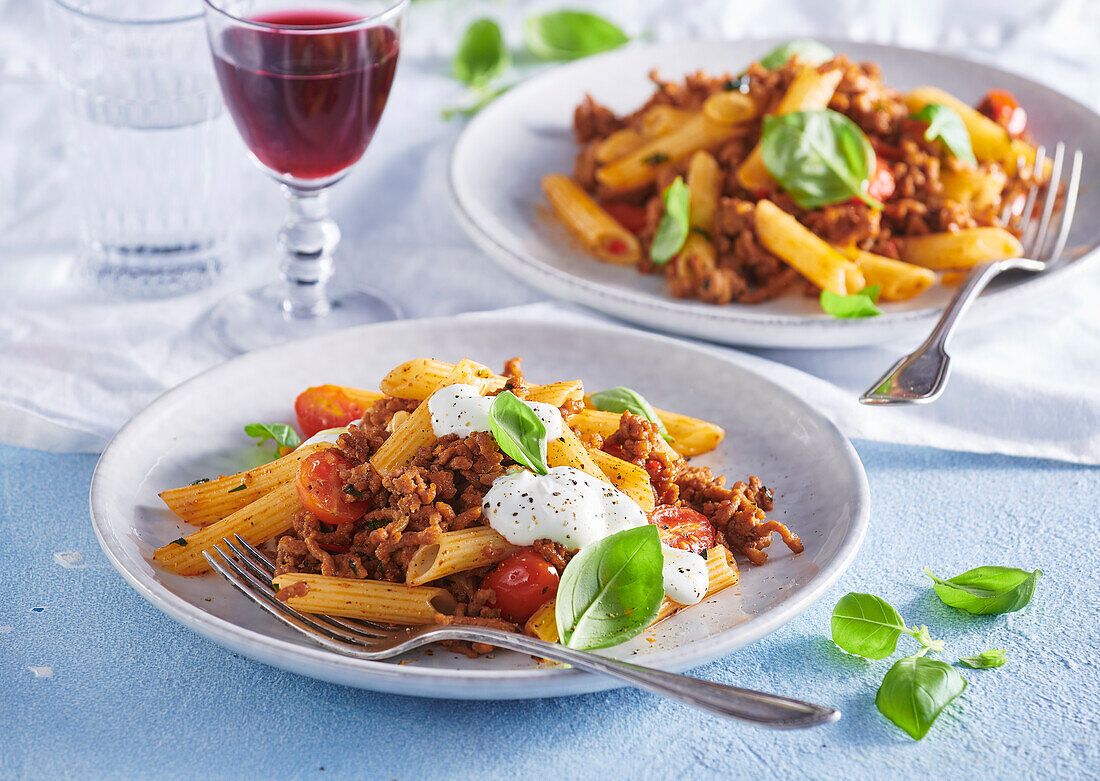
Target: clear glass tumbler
(145,148)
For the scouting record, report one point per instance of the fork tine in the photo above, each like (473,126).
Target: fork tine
(1036,250)
(1027,221)
(1069,207)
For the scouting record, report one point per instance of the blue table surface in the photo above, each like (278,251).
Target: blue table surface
(134,695)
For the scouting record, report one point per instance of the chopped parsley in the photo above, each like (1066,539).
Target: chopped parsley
(200,481)
(180,541)
(240,487)
(351,490)
(656,158)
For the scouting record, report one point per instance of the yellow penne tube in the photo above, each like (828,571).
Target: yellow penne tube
(976,188)
(661,120)
(690,436)
(804,251)
(458,551)
(640,166)
(896,279)
(594,421)
(629,478)
(730,107)
(722,571)
(619,144)
(543,623)
(960,249)
(989,140)
(810,91)
(418,378)
(556,393)
(567,450)
(363,398)
(601,233)
(270,515)
(370,600)
(704,182)
(204,503)
(416,432)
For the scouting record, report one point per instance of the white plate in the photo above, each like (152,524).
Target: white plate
(195,430)
(498,161)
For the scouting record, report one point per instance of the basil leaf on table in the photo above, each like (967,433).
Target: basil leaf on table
(818,157)
(570,35)
(485,97)
(987,590)
(861,304)
(482,55)
(675,224)
(866,625)
(611,590)
(809,51)
(945,124)
(283,435)
(622,399)
(986,660)
(519,432)
(915,691)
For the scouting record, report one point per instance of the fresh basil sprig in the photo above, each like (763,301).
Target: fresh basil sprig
(861,304)
(987,590)
(818,157)
(622,399)
(994,657)
(916,690)
(283,435)
(675,224)
(809,51)
(869,626)
(519,432)
(611,590)
(945,124)
(482,55)
(570,35)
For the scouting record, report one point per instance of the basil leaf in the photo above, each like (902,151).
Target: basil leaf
(519,432)
(622,399)
(861,304)
(281,433)
(915,691)
(809,51)
(611,590)
(866,625)
(569,35)
(945,124)
(484,98)
(988,590)
(818,157)
(675,223)
(985,660)
(482,55)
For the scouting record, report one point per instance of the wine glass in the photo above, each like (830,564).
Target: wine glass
(306,84)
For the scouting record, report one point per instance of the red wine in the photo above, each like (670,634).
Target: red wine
(306,102)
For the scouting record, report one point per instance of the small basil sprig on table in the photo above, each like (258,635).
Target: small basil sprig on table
(281,433)
(809,51)
(482,54)
(818,157)
(945,124)
(483,99)
(611,590)
(570,35)
(675,224)
(916,690)
(622,399)
(861,304)
(987,590)
(869,626)
(994,657)
(519,432)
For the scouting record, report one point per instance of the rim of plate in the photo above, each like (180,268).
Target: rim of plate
(530,267)
(680,658)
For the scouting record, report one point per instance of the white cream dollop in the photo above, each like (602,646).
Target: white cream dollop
(460,409)
(686,576)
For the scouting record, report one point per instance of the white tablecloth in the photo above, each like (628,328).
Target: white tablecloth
(74,365)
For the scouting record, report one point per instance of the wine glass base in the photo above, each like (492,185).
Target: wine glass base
(254,319)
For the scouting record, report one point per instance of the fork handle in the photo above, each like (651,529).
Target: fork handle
(760,708)
(921,376)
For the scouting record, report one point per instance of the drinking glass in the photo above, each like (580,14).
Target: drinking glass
(305,83)
(143,141)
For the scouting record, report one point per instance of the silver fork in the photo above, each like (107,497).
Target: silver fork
(921,376)
(251,572)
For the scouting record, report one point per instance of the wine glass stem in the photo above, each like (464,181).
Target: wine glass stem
(308,240)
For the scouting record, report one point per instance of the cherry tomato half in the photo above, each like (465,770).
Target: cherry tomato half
(522,583)
(633,218)
(1002,107)
(325,406)
(684,528)
(321,491)
(882,184)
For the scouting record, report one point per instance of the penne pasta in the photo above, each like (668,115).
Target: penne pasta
(567,450)
(594,421)
(722,571)
(960,249)
(663,119)
(270,515)
(556,393)
(618,145)
(804,251)
(977,188)
(730,107)
(457,551)
(690,436)
(629,478)
(363,398)
(704,182)
(601,233)
(417,379)
(369,600)
(543,623)
(896,279)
